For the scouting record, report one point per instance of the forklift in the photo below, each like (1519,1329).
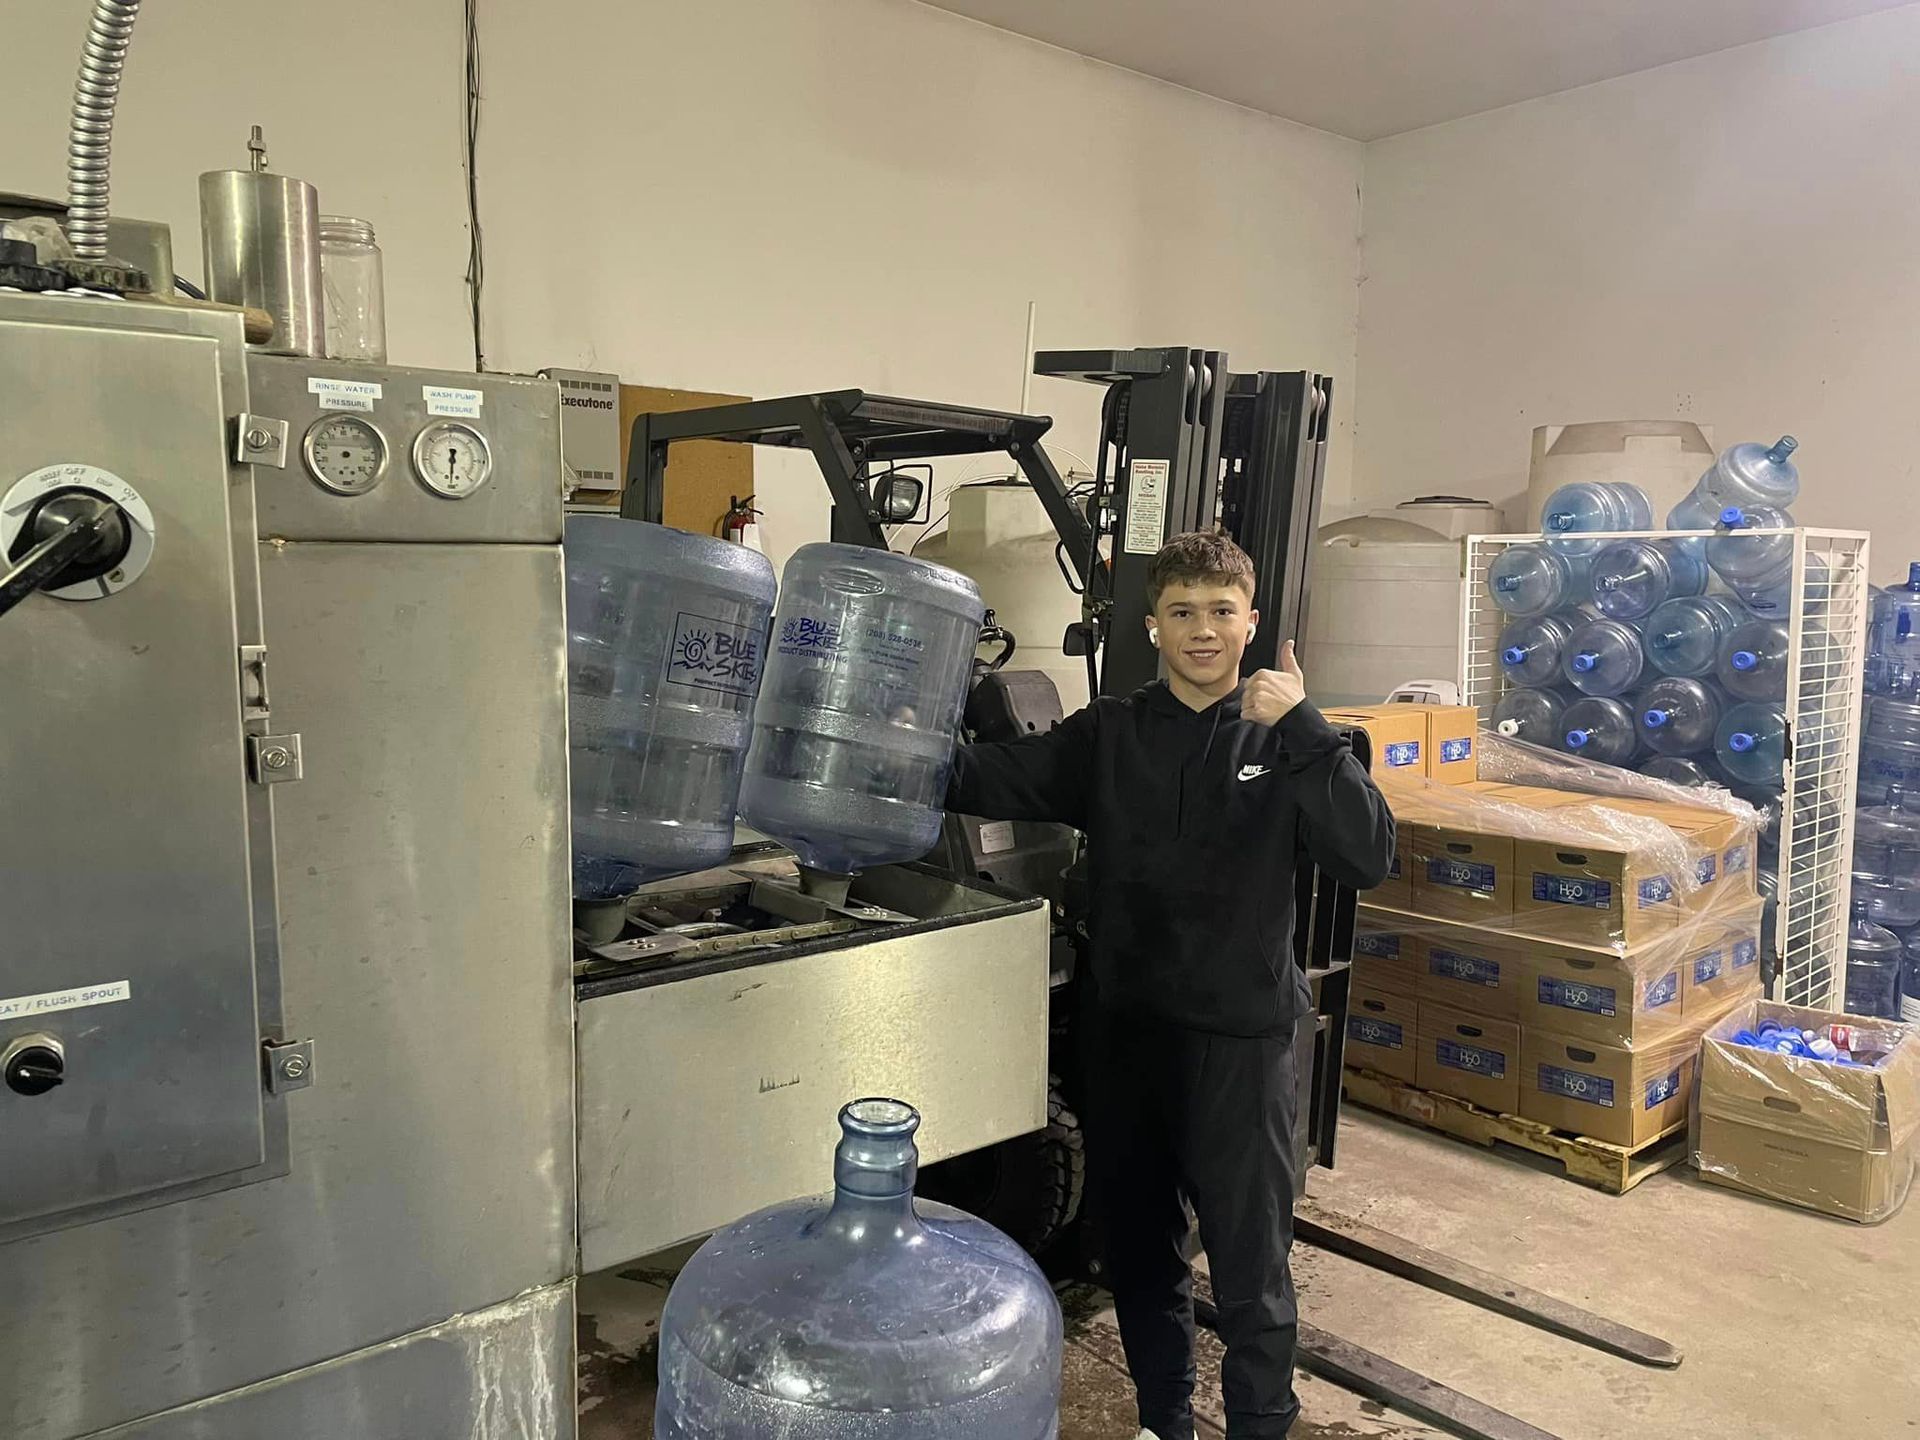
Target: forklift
(1185,444)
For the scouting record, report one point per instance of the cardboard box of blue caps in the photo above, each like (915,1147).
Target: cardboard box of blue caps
(1789,1120)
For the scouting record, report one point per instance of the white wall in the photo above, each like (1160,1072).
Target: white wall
(1733,240)
(360,97)
(771,196)
(758,196)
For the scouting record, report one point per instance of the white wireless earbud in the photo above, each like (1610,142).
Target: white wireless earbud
(1153,636)
(1252,630)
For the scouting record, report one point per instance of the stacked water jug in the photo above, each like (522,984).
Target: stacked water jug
(1668,655)
(1883,944)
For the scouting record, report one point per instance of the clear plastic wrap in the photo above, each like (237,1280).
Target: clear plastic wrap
(1557,953)
(1804,1128)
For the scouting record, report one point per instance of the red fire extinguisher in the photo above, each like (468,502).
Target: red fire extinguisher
(741,523)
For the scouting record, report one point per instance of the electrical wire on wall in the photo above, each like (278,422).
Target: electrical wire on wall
(476,256)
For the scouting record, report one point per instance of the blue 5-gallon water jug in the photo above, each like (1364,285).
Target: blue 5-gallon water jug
(1678,716)
(1530,715)
(1751,743)
(1601,729)
(1603,657)
(868,1315)
(1531,579)
(1753,661)
(1631,578)
(666,637)
(853,735)
(1683,636)
(1530,649)
(1587,507)
(1677,770)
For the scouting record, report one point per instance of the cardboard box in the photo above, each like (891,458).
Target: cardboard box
(1399,735)
(1443,737)
(1626,1097)
(1833,1138)
(1382,1032)
(1386,951)
(1452,730)
(1593,891)
(1721,847)
(1723,966)
(1396,891)
(1462,875)
(1470,1058)
(1604,996)
(1481,973)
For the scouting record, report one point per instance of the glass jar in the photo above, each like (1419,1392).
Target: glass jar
(355,289)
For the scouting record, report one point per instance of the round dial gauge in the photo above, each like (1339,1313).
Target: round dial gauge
(345,454)
(452,459)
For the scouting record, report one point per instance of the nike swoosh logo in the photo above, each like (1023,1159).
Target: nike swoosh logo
(1252,772)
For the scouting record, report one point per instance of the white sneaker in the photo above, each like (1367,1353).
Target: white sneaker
(1146,1435)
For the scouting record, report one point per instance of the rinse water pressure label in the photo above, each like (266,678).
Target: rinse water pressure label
(1147,505)
(343,394)
(22,1007)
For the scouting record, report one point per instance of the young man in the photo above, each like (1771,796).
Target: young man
(1199,796)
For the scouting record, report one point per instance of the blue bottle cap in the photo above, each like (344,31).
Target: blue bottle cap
(1656,718)
(1740,742)
(1745,659)
(1514,654)
(1732,517)
(1578,738)
(1507,583)
(1585,661)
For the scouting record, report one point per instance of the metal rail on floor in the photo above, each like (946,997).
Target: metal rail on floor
(1395,1256)
(1374,1377)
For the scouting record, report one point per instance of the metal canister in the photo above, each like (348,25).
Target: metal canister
(260,238)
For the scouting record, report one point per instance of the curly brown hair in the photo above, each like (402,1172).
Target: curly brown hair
(1200,557)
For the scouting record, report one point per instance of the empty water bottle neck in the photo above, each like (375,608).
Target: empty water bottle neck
(873,1171)
(1782,448)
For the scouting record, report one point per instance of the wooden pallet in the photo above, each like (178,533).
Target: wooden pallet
(1613,1168)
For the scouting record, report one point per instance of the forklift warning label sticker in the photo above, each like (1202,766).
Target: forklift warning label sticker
(343,394)
(995,836)
(1147,505)
(22,1006)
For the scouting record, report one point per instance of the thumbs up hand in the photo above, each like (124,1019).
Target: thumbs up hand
(1270,694)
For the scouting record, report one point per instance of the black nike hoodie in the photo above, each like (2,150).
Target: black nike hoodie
(1195,821)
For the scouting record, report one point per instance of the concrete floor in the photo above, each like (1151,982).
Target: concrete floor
(1794,1326)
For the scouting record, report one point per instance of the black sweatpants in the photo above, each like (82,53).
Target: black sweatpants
(1171,1113)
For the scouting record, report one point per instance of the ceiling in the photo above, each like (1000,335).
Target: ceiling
(1372,68)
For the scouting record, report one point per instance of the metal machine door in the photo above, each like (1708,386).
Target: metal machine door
(130,1041)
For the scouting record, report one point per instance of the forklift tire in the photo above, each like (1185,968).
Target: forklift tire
(1030,1186)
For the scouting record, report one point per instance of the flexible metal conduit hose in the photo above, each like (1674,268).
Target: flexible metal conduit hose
(90,133)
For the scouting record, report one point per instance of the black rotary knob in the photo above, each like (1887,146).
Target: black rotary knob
(35,1069)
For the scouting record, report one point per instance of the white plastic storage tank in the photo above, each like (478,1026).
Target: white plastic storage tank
(1384,604)
(1662,457)
(998,536)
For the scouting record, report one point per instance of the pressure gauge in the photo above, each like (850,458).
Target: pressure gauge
(452,459)
(345,454)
